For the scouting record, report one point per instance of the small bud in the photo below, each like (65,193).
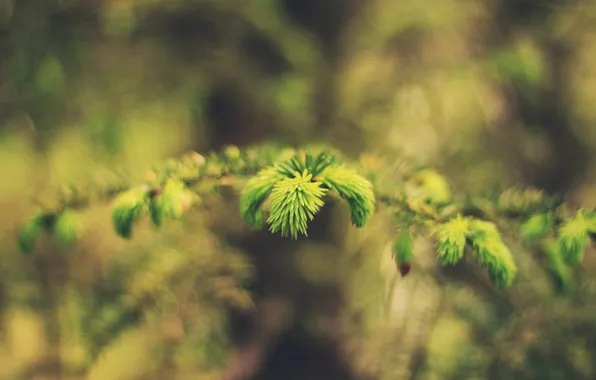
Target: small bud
(404,268)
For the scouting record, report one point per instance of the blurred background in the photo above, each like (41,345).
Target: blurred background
(491,92)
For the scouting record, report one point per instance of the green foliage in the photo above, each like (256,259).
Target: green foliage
(574,238)
(30,230)
(294,203)
(292,186)
(64,224)
(28,234)
(536,227)
(558,269)
(171,202)
(403,248)
(563,240)
(435,188)
(254,194)
(296,187)
(68,227)
(128,208)
(492,253)
(486,242)
(451,238)
(352,187)
(524,201)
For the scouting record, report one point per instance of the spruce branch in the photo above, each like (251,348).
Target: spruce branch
(294,182)
(169,189)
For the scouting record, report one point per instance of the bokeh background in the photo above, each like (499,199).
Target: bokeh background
(491,92)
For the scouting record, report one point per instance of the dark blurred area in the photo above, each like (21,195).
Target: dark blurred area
(491,92)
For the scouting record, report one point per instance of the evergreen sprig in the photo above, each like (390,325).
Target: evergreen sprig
(168,192)
(558,269)
(515,201)
(128,208)
(296,186)
(68,227)
(574,237)
(294,203)
(352,187)
(255,193)
(537,226)
(487,244)
(434,188)
(31,229)
(451,239)
(171,202)
(294,183)
(492,253)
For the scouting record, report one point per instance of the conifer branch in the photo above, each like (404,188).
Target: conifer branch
(288,185)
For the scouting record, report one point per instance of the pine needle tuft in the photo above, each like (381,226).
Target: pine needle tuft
(451,239)
(294,203)
(356,190)
(536,227)
(492,253)
(559,271)
(128,207)
(574,238)
(254,194)
(68,227)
